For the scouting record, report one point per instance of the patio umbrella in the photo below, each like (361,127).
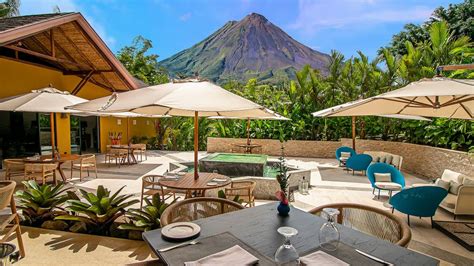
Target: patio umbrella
(332,110)
(46,100)
(192,98)
(274,116)
(436,97)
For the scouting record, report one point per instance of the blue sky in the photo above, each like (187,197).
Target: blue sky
(173,25)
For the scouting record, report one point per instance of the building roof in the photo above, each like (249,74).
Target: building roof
(65,42)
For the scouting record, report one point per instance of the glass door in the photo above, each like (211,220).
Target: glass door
(75,135)
(45,133)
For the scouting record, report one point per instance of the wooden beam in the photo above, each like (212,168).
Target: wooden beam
(458,67)
(51,42)
(82,83)
(85,72)
(44,56)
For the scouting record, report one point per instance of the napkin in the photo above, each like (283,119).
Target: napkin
(231,256)
(219,179)
(321,258)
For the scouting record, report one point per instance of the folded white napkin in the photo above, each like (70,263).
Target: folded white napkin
(321,258)
(231,256)
(219,179)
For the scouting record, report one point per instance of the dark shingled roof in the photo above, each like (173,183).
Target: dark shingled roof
(15,22)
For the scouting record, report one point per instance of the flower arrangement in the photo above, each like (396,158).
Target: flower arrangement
(282,178)
(115,137)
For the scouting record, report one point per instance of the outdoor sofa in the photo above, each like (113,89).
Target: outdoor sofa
(460,199)
(385,157)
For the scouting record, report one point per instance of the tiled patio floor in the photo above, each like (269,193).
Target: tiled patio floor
(330,184)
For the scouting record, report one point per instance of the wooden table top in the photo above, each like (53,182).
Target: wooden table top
(187,182)
(47,159)
(257,227)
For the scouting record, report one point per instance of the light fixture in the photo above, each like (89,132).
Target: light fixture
(134,122)
(119,122)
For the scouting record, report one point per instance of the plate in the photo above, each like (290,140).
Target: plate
(180,231)
(219,179)
(212,183)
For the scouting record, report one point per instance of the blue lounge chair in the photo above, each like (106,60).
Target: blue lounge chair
(397,179)
(344,149)
(359,162)
(419,201)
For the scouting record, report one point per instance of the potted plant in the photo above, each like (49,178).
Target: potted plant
(282,178)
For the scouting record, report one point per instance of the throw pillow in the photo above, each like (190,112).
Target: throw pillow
(375,159)
(441,183)
(454,187)
(345,154)
(468,181)
(383,177)
(388,159)
(382,159)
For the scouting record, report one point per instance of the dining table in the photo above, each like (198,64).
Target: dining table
(131,159)
(60,160)
(195,187)
(255,230)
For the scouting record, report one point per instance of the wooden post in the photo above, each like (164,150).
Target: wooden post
(51,122)
(196,145)
(248,131)
(354,132)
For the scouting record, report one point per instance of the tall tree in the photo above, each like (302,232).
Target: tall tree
(10,8)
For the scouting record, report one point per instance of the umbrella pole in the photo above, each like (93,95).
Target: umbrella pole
(51,123)
(128,136)
(354,132)
(248,131)
(196,145)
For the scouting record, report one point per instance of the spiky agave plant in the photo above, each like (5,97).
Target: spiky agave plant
(99,211)
(149,217)
(39,203)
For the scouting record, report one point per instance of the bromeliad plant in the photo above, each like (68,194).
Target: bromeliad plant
(41,203)
(149,217)
(99,211)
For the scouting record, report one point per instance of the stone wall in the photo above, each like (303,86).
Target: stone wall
(425,161)
(293,148)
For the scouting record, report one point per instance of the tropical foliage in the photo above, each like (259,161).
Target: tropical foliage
(40,203)
(9,8)
(99,211)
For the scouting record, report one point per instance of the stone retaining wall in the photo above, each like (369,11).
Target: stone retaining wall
(424,161)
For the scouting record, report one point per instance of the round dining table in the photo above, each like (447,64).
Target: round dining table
(199,186)
(59,161)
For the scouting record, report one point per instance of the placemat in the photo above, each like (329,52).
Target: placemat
(207,246)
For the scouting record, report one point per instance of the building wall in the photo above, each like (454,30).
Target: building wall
(17,78)
(424,161)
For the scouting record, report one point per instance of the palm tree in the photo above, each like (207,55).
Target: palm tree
(9,8)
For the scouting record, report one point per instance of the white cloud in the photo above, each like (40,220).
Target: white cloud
(316,15)
(186,16)
(29,7)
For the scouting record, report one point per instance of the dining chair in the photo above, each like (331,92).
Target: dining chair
(151,186)
(10,222)
(120,155)
(196,208)
(243,189)
(43,171)
(13,168)
(139,149)
(85,162)
(370,220)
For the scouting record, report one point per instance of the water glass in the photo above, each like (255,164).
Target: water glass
(286,252)
(329,236)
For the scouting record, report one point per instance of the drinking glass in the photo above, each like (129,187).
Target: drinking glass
(286,252)
(329,236)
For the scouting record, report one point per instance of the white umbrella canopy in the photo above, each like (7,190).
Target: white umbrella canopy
(192,98)
(436,97)
(46,100)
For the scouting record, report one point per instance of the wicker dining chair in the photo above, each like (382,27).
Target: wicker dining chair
(42,171)
(85,162)
(139,149)
(119,155)
(243,189)
(13,168)
(196,208)
(372,221)
(10,222)
(151,186)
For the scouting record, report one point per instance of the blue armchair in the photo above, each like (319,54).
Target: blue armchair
(344,149)
(397,179)
(359,162)
(419,201)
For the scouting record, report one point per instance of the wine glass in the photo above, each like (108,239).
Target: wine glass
(329,236)
(286,252)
